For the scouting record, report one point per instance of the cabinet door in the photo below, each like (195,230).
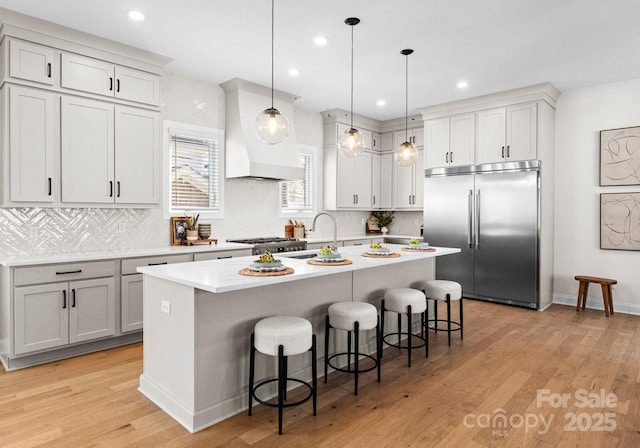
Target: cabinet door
(92,305)
(346,181)
(437,144)
(376,144)
(386,141)
(32,142)
(462,140)
(87,151)
(131,303)
(134,85)
(40,317)
(375,181)
(521,132)
(403,186)
(137,156)
(418,182)
(31,62)
(418,137)
(363,180)
(87,75)
(490,144)
(386,181)
(221,254)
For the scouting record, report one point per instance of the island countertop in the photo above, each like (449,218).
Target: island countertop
(219,276)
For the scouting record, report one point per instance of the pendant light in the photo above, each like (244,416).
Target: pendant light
(406,154)
(351,142)
(272,126)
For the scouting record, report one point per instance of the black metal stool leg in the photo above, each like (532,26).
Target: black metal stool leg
(382,311)
(326,347)
(314,372)
(449,319)
(378,346)
(461,321)
(409,332)
(435,315)
(356,350)
(252,362)
(426,336)
(286,374)
(399,329)
(282,385)
(348,350)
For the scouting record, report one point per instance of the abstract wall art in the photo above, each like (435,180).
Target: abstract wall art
(620,156)
(620,221)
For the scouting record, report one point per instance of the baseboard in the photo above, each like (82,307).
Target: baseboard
(596,304)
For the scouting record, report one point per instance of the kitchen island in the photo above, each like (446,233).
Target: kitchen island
(198,319)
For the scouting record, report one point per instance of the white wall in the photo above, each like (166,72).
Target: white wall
(580,116)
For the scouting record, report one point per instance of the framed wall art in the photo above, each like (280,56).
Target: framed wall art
(620,221)
(620,156)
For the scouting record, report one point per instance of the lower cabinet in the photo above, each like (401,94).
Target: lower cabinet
(53,315)
(131,303)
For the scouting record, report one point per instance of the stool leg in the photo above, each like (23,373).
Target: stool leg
(356,350)
(461,320)
(286,374)
(378,346)
(252,362)
(348,350)
(314,372)
(399,330)
(422,324)
(605,299)
(435,315)
(408,332)
(282,385)
(580,289)
(610,296)
(326,347)
(425,336)
(382,310)
(426,322)
(585,291)
(449,319)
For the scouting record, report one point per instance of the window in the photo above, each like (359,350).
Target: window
(297,197)
(194,170)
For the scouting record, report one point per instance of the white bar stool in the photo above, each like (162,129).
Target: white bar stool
(352,317)
(444,291)
(405,301)
(283,336)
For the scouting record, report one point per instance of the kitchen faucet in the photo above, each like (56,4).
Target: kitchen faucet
(335,228)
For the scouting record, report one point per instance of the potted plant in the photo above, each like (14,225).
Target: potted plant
(192,227)
(384,220)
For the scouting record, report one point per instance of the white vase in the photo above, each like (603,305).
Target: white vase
(384,230)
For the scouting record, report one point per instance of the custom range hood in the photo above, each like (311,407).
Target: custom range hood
(245,154)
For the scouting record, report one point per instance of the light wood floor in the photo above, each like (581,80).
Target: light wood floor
(507,356)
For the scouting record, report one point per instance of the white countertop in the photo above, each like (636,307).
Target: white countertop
(26,260)
(219,276)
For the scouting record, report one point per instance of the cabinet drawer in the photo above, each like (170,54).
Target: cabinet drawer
(361,242)
(220,254)
(31,62)
(63,272)
(130,265)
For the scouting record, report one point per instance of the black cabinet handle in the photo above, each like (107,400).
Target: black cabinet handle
(373,199)
(503,152)
(357,244)
(73,298)
(118,185)
(157,264)
(222,258)
(49,181)
(64,299)
(110,188)
(117,85)
(110,84)
(451,158)
(446,158)
(48,69)
(508,152)
(69,272)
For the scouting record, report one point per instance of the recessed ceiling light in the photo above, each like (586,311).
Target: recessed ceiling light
(381,103)
(462,84)
(294,72)
(136,15)
(320,41)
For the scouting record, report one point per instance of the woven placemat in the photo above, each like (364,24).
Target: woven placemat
(315,262)
(391,255)
(250,273)
(411,249)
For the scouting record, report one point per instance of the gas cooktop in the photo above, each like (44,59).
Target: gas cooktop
(272,244)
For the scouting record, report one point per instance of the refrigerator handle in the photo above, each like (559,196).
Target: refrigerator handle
(478,220)
(470,215)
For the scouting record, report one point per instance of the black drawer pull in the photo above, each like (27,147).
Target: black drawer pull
(222,258)
(157,264)
(110,188)
(64,299)
(49,180)
(69,272)
(118,85)
(110,84)
(48,69)
(73,298)
(118,185)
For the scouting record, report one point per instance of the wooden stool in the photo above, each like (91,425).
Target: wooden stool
(607,296)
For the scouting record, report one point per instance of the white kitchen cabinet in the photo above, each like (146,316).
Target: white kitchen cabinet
(376,142)
(386,141)
(33,145)
(507,134)
(354,181)
(386,182)
(103,78)
(407,184)
(450,141)
(53,315)
(415,136)
(375,181)
(110,153)
(31,62)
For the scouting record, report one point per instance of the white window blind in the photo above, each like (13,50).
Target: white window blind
(194,173)
(298,195)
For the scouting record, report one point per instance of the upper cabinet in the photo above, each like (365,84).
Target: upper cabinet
(408,185)
(414,135)
(507,134)
(450,141)
(31,62)
(103,78)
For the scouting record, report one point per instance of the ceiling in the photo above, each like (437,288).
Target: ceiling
(495,45)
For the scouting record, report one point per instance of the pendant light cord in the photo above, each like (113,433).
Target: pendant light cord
(272,48)
(352,76)
(406,98)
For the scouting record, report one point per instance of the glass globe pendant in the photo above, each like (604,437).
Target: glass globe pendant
(271,126)
(406,154)
(351,142)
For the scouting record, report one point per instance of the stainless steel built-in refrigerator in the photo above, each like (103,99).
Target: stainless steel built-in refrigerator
(491,212)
